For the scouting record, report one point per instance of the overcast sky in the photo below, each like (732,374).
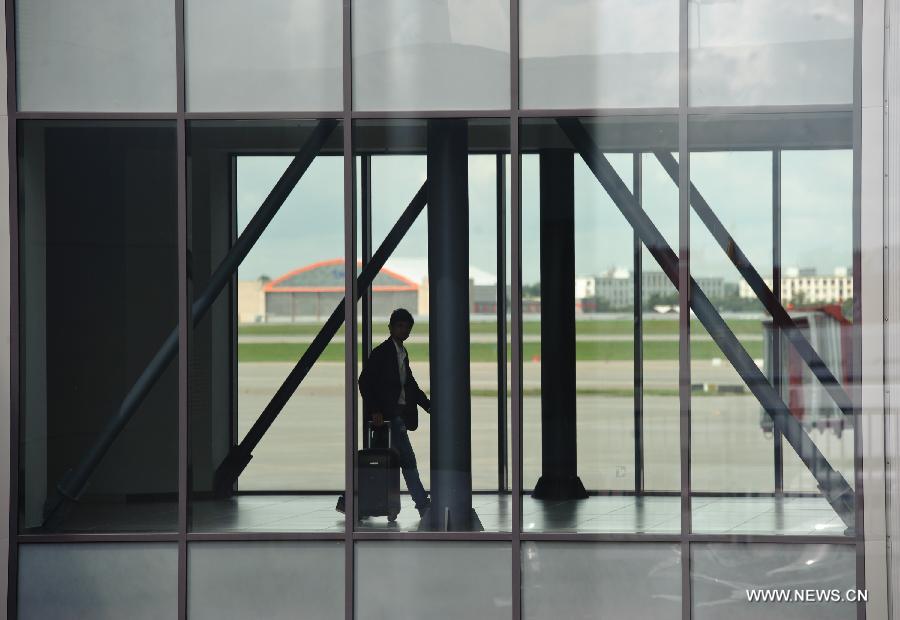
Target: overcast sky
(816,212)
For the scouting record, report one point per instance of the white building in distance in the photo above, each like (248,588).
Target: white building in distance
(805,286)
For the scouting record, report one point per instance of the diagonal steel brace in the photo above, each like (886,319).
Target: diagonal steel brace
(72,484)
(834,487)
(765,295)
(239,456)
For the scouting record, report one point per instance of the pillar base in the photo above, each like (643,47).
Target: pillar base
(569,487)
(434,522)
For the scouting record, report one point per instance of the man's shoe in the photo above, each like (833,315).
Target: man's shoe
(340,505)
(423,507)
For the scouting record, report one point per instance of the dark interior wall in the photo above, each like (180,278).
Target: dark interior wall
(110,282)
(210,237)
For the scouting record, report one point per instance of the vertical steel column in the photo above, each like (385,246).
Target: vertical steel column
(366,295)
(777,371)
(515,292)
(350,402)
(185,323)
(502,440)
(684,311)
(638,271)
(856,366)
(559,476)
(448,285)
(12,581)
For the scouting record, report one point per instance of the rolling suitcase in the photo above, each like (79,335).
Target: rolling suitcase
(378,477)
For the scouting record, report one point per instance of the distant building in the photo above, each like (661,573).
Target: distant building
(311,292)
(615,288)
(804,286)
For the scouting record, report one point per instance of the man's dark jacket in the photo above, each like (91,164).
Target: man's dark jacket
(379,384)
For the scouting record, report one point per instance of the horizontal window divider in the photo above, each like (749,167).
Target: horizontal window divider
(420,114)
(264,536)
(93,537)
(266,115)
(100,116)
(801,539)
(588,112)
(768,109)
(435,536)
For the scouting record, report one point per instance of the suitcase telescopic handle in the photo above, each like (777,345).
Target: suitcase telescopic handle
(386,424)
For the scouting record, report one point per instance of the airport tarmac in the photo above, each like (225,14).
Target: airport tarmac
(304,449)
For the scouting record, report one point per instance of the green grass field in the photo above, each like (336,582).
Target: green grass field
(613,350)
(593,328)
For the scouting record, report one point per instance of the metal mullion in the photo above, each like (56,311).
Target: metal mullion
(185,326)
(502,413)
(101,116)
(637,309)
(87,538)
(14,310)
(515,311)
(264,536)
(684,315)
(856,365)
(265,115)
(674,537)
(596,112)
(425,114)
(472,536)
(777,370)
(770,109)
(367,296)
(349,313)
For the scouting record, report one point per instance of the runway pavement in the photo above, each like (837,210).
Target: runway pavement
(304,450)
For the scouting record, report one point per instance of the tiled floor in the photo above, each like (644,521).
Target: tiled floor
(597,514)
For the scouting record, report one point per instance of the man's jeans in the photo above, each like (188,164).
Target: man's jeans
(400,443)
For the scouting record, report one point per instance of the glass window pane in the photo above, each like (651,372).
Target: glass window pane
(266,580)
(99,256)
(448,54)
(599,53)
(96,56)
(722,575)
(98,580)
(397,154)
(772,449)
(767,52)
(610,580)
(585,466)
(438,580)
(274,303)
(270,55)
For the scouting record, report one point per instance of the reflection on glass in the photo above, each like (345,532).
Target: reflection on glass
(263,56)
(96,56)
(266,579)
(263,323)
(412,55)
(608,580)
(817,289)
(766,52)
(449,579)
(599,53)
(98,580)
(99,299)
(451,458)
(722,575)
(755,205)
(593,427)
(660,441)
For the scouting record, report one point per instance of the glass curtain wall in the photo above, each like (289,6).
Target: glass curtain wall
(675,181)
(266,209)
